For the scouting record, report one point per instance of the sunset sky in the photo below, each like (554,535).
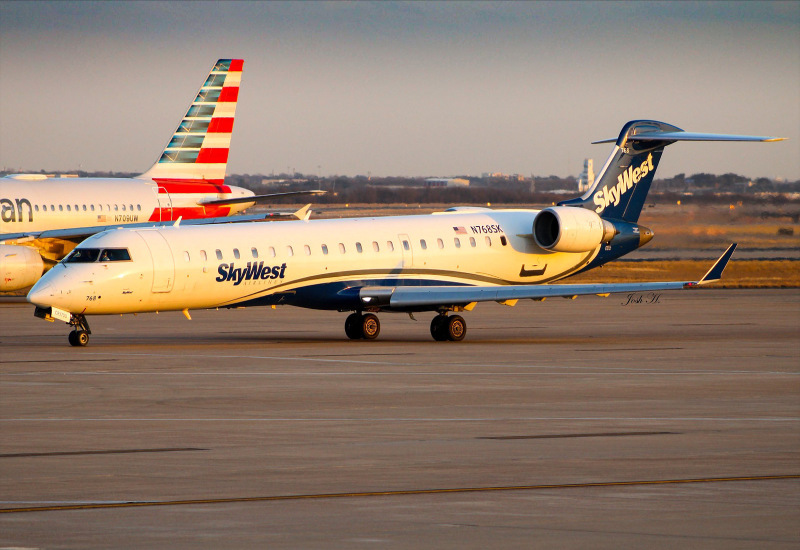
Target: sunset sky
(411,89)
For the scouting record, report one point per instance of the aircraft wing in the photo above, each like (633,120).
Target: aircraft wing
(410,297)
(78,234)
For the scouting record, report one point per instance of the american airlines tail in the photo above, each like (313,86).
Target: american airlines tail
(198,150)
(624,181)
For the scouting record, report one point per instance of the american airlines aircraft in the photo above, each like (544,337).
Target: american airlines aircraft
(444,263)
(42,219)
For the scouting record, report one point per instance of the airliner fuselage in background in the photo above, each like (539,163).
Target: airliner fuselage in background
(42,219)
(445,262)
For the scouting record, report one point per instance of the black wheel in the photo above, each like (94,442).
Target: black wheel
(439,328)
(370,326)
(78,338)
(456,328)
(352,326)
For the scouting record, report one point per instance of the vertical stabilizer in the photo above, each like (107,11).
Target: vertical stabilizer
(198,150)
(621,187)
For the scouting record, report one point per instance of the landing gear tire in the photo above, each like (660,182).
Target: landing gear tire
(439,328)
(352,326)
(456,328)
(370,326)
(78,338)
(452,328)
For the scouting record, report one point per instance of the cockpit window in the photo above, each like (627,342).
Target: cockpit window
(88,255)
(83,255)
(115,255)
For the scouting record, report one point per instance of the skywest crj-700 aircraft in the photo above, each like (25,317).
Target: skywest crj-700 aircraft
(445,262)
(42,219)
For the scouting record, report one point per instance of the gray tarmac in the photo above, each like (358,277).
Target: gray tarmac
(562,424)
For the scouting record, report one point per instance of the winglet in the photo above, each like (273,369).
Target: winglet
(715,273)
(304,213)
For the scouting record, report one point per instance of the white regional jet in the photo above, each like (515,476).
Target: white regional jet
(42,219)
(445,262)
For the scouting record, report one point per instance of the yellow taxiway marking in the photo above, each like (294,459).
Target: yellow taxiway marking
(99,505)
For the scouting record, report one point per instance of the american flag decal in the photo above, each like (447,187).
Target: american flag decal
(460,230)
(101,218)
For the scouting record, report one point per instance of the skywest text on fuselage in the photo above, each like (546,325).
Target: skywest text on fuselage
(625,181)
(253,271)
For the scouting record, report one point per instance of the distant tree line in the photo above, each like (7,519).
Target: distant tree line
(495,189)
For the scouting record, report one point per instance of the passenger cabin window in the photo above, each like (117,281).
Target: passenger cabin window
(203,256)
(406,245)
(289,251)
(123,208)
(84,207)
(91,207)
(307,250)
(457,242)
(35,207)
(472,242)
(130,205)
(254,252)
(60,208)
(116,207)
(272,251)
(341,248)
(219,254)
(503,240)
(423,244)
(375,246)
(325,249)
(236,253)
(390,246)
(69,209)
(186,256)
(440,242)
(488,240)
(358,248)
(76,208)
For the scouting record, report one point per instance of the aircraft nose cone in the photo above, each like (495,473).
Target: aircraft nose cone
(645,235)
(41,294)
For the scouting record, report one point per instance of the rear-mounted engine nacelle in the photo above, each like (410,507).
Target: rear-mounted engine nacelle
(571,229)
(20,267)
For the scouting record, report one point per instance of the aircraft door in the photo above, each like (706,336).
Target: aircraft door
(406,250)
(163,262)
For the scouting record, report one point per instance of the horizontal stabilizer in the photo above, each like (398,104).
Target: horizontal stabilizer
(690,136)
(260,199)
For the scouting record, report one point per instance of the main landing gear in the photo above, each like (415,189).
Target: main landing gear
(359,326)
(80,334)
(452,328)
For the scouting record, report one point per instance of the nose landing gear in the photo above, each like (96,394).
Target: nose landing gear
(80,334)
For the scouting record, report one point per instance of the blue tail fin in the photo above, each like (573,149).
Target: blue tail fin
(621,187)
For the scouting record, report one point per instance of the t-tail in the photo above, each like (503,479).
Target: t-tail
(198,150)
(621,188)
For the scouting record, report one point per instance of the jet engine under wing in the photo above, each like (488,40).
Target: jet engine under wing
(410,297)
